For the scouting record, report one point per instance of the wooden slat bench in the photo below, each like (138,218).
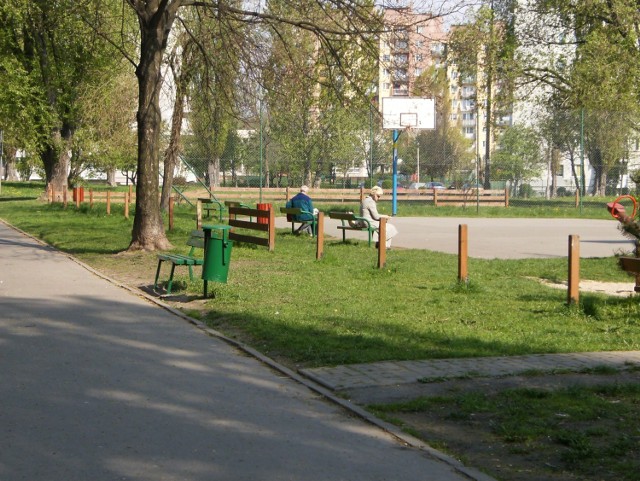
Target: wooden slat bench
(291,212)
(348,220)
(195,241)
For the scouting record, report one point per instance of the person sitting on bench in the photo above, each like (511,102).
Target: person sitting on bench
(303,202)
(369,210)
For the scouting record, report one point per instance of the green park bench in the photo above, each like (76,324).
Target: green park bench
(292,212)
(195,241)
(350,221)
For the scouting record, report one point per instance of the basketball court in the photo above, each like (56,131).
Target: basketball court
(500,238)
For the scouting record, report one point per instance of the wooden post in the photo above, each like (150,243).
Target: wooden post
(130,192)
(463,247)
(286,194)
(382,243)
(435,198)
(108,202)
(573,292)
(272,229)
(171,201)
(506,197)
(361,194)
(198,214)
(126,205)
(320,236)
(577,197)
(91,198)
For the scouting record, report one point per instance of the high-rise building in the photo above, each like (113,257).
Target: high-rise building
(412,42)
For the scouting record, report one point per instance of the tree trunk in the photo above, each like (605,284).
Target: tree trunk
(56,160)
(182,79)
(173,150)
(155,24)
(555,166)
(111,177)
(214,173)
(11,169)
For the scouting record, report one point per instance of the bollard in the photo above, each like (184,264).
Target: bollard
(382,243)
(573,291)
(463,255)
(320,236)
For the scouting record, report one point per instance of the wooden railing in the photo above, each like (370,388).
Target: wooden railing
(437,197)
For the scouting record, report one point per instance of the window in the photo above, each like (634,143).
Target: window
(437,48)
(401,44)
(419,29)
(418,71)
(468,116)
(418,57)
(386,58)
(468,105)
(469,130)
(419,43)
(400,74)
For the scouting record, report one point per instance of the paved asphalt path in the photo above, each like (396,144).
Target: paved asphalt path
(499,238)
(98,383)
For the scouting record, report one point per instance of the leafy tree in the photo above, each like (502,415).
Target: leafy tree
(602,77)
(156,20)
(105,139)
(444,149)
(484,50)
(53,50)
(518,158)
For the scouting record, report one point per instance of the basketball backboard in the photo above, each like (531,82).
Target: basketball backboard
(399,113)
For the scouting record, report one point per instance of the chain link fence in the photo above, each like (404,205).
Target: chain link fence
(570,159)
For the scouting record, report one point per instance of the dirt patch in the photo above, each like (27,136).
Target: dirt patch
(473,439)
(618,289)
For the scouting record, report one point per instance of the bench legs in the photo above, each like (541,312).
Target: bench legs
(173,268)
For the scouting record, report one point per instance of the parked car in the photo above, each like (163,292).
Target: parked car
(416,185)
(433,185)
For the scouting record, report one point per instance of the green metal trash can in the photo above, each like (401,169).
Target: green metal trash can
(217,254)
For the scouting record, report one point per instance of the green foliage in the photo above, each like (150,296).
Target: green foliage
(518,158)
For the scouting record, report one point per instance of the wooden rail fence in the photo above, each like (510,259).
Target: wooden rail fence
(436,197)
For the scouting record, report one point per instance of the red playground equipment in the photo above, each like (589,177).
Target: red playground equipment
(630,226)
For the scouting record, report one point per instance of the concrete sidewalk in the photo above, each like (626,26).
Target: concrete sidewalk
(389,373)
(98,383)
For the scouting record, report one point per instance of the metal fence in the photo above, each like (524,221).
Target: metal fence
(563,160)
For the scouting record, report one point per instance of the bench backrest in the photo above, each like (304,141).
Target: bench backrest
(196,239)
(342,215)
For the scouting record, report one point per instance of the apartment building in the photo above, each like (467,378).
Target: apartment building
(412,43)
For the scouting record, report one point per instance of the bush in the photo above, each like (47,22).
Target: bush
(526,191)
(564,192)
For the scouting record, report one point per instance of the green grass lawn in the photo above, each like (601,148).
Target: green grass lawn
(343,309)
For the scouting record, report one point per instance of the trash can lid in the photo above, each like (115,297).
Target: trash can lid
(216,227)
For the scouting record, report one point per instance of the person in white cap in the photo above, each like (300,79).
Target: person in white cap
(369,210)
(303,202)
